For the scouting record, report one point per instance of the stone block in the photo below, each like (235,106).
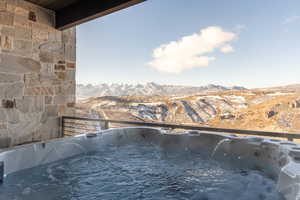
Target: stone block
(5,141)
(18,65)
(47,68)
(61,110)
(15,90)
(3,6)
(70,111)
(71,104)
(48,100)
(47,76)
(44,117)
(3,126)
(37,104)
(23,34)
(70,89)
(58,55)
(35,56)
(2,115)
(22,11)
(66,36)
(70,75)
(2,92)
(59,67)
(12,116)
(37,91)
(55,36)
(49,80)
(40,34)
(23,131)
(70,53)
(7,31)
(12,91)
(58,90)
(71,65)
(36,136)
(50,129)
(23,105)
(36,47)
(30,104)
(52,47)
(10,7)
(66,89)
(23,47)
(21,21)
(60,99)
(9,78)
(31,117)
(46,57)
(52,110)
(71,98)
(61,75)
(6,18)
(24,5)
(32,79)
(6,42)
(69,36)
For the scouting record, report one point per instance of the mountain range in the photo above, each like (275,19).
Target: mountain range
(148,89)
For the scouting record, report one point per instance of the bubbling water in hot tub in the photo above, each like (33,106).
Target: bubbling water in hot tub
(140,171)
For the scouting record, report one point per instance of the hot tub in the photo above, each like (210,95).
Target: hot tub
(146,163)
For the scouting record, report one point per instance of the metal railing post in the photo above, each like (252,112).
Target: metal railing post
(1,172)
(62,125)
(106,125)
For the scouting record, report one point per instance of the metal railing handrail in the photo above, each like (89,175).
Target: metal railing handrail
(289,136)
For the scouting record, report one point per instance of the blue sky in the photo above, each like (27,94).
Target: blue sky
(257,44)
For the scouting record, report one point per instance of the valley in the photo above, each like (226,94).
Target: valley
(264,109)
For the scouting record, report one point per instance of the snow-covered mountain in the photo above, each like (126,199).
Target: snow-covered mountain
(148,89)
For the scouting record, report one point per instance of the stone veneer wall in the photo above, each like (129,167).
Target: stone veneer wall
(37,73)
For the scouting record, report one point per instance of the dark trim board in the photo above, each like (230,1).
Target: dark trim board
(86,10)
(70,13)
(53,4)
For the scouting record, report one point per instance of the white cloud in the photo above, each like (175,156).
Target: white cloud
(291,19)
(189,51)
(227,49)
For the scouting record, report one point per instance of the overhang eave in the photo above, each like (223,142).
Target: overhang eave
(70,13)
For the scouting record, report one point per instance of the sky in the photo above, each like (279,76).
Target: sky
(250,43)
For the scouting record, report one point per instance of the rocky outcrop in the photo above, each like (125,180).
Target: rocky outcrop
(271,113)
(191,112)
(296,104)
(227,116)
